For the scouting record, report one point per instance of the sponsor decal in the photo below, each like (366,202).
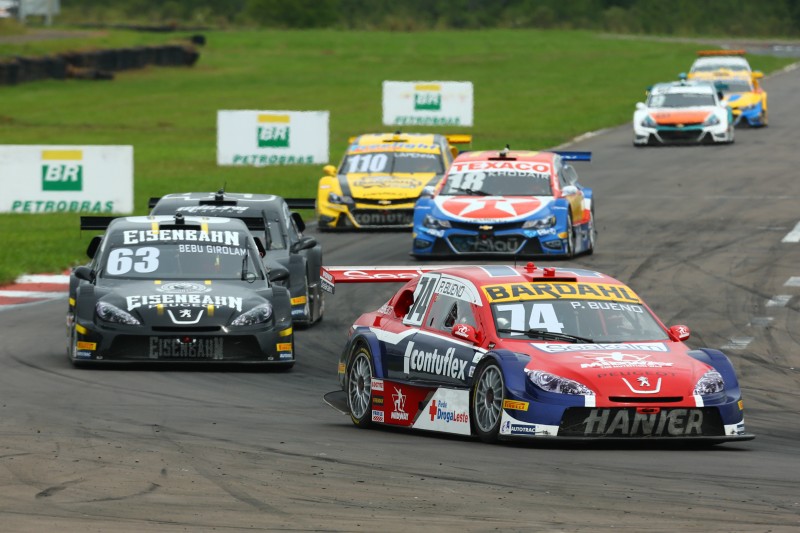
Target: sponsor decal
(618,359)
(202,348)
(386,309)
(741,405)
(399,400)
(643,385)
(284,346)
(376,385)
(639,346)
(262,160)
(285,356)
(61,206)
(183,300)
(490,209)
(518,428)
(428,97)
(299,300)
(342,368)
(444,413)
(83,345)
(387,182)
(377,416)
(183,287)
(672,422)
(461,330)
(446,364)
(62,170)
(215,209)
(412,120)
(527,167)
(559,290)
(210,249)
(377,400)
(80,354)
(134,236)
(515,404)
(450,287)
(273,131)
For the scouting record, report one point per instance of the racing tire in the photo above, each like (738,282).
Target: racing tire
(570,238)
(358,386)
(763,119)
(592,232)
(486,401)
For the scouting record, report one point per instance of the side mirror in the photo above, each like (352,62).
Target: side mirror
(569,190)
(329,170)
(465,332)
(683,76)
(640,105)
(278,274)
(94,244)
(298,221)
(85,273)
(679,333)
(757,74)
(260,245)
(303,244)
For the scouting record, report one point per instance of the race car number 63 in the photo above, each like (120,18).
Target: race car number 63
(120,260)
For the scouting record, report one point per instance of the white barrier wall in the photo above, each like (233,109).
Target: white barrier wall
(427,103)
(262,138)
(66,179)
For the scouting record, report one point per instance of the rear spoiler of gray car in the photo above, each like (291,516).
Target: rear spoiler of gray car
(100,223)
(301,203)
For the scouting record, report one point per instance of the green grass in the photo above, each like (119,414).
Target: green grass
(533,89)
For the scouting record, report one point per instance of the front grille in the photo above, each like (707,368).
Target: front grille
(383,202)
(383,217)
(628,422)
(486,243)
(496,227)
(640,399)
(187,330)
(680,135)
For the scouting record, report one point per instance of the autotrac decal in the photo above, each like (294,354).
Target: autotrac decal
(135,236)
(200,348)
(558,290)
(183,300)
(511,426)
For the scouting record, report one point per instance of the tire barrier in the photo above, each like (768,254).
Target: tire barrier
(96,64)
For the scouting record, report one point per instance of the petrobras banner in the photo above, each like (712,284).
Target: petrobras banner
(66,179)
(427,103)
(261,138)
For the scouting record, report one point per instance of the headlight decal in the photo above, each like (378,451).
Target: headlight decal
(710,383)
(111,313)
(553,383)
(257,315)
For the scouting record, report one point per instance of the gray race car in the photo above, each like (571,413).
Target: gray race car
(282,235)
(177,289)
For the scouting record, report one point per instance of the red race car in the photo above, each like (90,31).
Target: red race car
(503,352)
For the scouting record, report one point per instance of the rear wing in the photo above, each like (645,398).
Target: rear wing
(96,223)
(301,203)
(573,156)
(330,276)
(151,203)
(705,53)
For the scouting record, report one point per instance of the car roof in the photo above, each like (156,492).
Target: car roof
(398,137)
(721,62)
(505,155)
(223,198)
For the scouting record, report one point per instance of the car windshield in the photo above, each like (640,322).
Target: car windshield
(710,67)
(497,183)
(391,162)
(736,86)
(680,100)
(576,321)
(181,259)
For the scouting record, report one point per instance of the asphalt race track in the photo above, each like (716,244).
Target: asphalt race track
(697,231)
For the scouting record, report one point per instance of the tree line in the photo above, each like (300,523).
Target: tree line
(764,18)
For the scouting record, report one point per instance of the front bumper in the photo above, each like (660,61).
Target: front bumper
(98,343)
(688,134)
(516,242)
(365,216)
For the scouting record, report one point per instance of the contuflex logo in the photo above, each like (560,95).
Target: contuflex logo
(62,170)
(273,131)
(428,97)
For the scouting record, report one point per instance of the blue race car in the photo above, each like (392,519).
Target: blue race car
(507,203)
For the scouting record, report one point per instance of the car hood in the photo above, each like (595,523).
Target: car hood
(633,370)
(386,186)
(183,303)
(742,100)
(492,209)
(672,117)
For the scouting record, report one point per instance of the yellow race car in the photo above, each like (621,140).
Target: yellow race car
(380,178)
(739,84)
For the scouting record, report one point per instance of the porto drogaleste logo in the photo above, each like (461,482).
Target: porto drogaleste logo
(273,131)
(428,97)
(62,170)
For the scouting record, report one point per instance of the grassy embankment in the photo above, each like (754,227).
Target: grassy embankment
(533,89)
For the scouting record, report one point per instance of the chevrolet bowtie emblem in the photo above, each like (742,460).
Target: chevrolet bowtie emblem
(485,228)
(384,202)
(680,125)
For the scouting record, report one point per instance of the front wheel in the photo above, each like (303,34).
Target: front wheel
(570,237)
(359,386)
(486,406)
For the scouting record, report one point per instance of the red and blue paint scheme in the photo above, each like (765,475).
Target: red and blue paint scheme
(503,352)
(507,202)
